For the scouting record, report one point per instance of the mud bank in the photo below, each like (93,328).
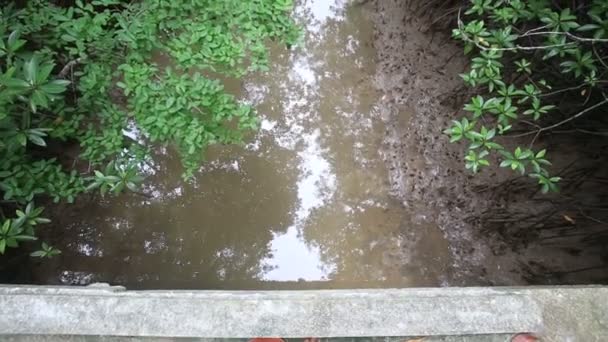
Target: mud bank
(418,73)
(501,230)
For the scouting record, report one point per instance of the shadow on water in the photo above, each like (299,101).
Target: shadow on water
(303,204)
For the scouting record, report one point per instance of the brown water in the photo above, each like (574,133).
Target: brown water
(304,203)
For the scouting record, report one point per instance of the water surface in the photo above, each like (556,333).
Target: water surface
(303,203)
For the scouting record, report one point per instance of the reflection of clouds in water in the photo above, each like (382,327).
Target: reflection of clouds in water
(318,13)
(316,186)
(133,132)
(256,93)
(219,165)
(292,259)
(89,249)
(317,182)
(267,125)
(121,224)
(159,194)
(302,71)
(351,48)
(293,256)
(76,278)
(87,242)
(157,244)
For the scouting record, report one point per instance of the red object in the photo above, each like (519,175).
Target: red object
(524,338)
(266,339)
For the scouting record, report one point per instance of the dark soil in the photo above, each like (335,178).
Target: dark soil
(501,229)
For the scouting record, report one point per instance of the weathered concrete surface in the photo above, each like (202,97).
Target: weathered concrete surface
(469,338)
(557,313)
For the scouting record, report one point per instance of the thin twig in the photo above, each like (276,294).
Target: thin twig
(598,56)
(580,130)
(582,39)
(535,29)
(573,117)
(68,67)
(590,217)
(534,139)
(563,90)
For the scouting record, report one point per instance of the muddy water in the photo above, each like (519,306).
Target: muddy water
(304,203)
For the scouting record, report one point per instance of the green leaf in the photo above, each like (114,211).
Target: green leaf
(30,69)
(55,87)
(541,153)
(25,237)
(43,72)
(39,99)
(37,140)
(6,226)
(11,242)
(13,37)
(16,84)
(22,139)
(588,27)
(68,38)
(38,254)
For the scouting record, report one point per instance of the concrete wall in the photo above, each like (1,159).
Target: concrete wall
(557,313)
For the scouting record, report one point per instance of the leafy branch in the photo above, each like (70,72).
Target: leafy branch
(106,49)
(494,31)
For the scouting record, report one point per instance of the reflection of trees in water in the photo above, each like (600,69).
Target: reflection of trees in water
(356,242)
(353,240)
(218,230)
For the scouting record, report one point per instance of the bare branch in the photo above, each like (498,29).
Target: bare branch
(563,90)
(575,37)
(64,72)
(573,117)
(598,56)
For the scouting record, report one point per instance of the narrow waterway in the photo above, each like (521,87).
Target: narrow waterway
(303,203)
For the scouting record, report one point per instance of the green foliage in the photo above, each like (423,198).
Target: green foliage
(21,228)
(77,77)
(516,46)
(116,178)
(46,251)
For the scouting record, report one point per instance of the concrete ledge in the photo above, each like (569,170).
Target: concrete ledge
(108,311)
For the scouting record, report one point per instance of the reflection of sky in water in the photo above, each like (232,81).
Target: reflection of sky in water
(303,71)
(293,257)
(311,77)
(318,12)
(317,182)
